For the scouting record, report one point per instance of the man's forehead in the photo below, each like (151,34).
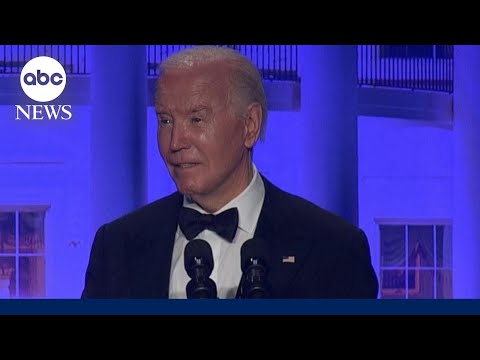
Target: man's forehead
(209,72)
(194,77)
(200,97)
(190,107)
(198,86)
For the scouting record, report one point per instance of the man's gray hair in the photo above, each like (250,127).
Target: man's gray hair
(246,84)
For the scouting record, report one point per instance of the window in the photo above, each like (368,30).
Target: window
(416,261)
(22,252)
(417,51)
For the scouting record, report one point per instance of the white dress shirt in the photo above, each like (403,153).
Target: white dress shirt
(226,256)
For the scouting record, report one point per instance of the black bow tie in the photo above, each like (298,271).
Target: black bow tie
(192,223)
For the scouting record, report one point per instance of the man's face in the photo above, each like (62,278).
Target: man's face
(200,139)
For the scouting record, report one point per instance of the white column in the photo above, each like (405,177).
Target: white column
(466,180)
(329,109)
(118,131)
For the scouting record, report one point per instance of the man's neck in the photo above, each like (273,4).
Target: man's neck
(214,202)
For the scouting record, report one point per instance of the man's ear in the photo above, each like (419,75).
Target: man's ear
(253,122)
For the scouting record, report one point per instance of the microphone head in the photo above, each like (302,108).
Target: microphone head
(198,253)
(254,259)
(251,249)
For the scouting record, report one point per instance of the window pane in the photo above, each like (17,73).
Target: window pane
(420,245)
(444,246)
(7,232)
(444,51)
(32,276)
(392,245)
(420,51)
(31,232)
(393,284)
(444,284)
(7,277)
(406,51)
(420,284)
(399,51)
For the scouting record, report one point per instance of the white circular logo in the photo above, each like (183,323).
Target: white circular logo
(43,79)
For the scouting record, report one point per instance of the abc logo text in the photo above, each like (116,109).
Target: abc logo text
(43,79)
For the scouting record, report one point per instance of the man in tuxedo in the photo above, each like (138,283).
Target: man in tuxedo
(211,110)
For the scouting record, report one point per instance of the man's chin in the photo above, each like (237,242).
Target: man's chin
(187,190)
(193,193)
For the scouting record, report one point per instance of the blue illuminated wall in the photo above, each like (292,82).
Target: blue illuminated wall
(405,174)
(48,163)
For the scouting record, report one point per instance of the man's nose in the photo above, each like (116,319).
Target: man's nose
(178,140)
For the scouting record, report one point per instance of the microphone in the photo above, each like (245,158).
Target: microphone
(253,255)
(199,265)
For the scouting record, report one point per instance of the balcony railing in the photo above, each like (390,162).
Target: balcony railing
(72,57)
(416,67)
(275,62)
(422,67)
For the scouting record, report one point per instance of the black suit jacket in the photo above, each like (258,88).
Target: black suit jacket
(131,256)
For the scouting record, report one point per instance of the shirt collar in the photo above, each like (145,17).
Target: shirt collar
(249,203)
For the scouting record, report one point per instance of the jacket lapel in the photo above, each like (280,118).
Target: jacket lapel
(149,250)
(286,242)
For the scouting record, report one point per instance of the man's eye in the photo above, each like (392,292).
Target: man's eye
(196,119)
(164,121)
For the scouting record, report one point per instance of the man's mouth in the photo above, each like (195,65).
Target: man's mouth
(185,165)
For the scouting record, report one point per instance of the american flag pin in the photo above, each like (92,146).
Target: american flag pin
(288,259)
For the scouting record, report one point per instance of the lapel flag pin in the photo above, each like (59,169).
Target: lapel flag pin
(288,259)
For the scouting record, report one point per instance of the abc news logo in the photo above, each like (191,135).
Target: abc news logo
(43,79)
